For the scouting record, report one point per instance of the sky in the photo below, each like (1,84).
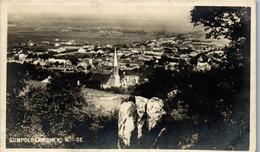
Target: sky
(142,12)
(177,17)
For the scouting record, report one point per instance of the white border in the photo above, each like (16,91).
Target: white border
(107,3)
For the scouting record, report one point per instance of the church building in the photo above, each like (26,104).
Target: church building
(114,80)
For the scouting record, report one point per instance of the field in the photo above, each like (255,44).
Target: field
(89,32)
(94,38)
(100,99)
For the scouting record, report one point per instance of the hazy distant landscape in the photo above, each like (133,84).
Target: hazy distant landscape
(104,31)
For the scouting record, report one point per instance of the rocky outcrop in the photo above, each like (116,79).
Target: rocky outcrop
(126,123)
(149,114)
(141,112)
(155,112)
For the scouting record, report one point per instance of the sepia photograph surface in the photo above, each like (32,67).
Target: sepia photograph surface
(98,74)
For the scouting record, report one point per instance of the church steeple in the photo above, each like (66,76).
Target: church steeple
(115,59)
(114,79)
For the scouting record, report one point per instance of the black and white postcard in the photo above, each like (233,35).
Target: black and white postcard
(116,75)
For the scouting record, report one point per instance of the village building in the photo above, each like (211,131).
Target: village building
(58,50)
(30,43)
(57,44)
(60,65)
(129,80)
(45,43)
(83,67)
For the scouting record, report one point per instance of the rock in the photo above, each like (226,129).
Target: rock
(172,94)
(155,112)
(126,123)
(141,111)
(47,80)
(144,111)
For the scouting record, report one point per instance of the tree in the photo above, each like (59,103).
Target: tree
(63,96)
(232,23)
(73,60)
(44,56)
(209,102)
(233,77)
(16,84)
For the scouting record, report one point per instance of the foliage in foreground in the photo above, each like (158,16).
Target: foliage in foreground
(215,103)
(57,110)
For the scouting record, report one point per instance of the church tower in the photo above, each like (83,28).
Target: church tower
(114,80)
